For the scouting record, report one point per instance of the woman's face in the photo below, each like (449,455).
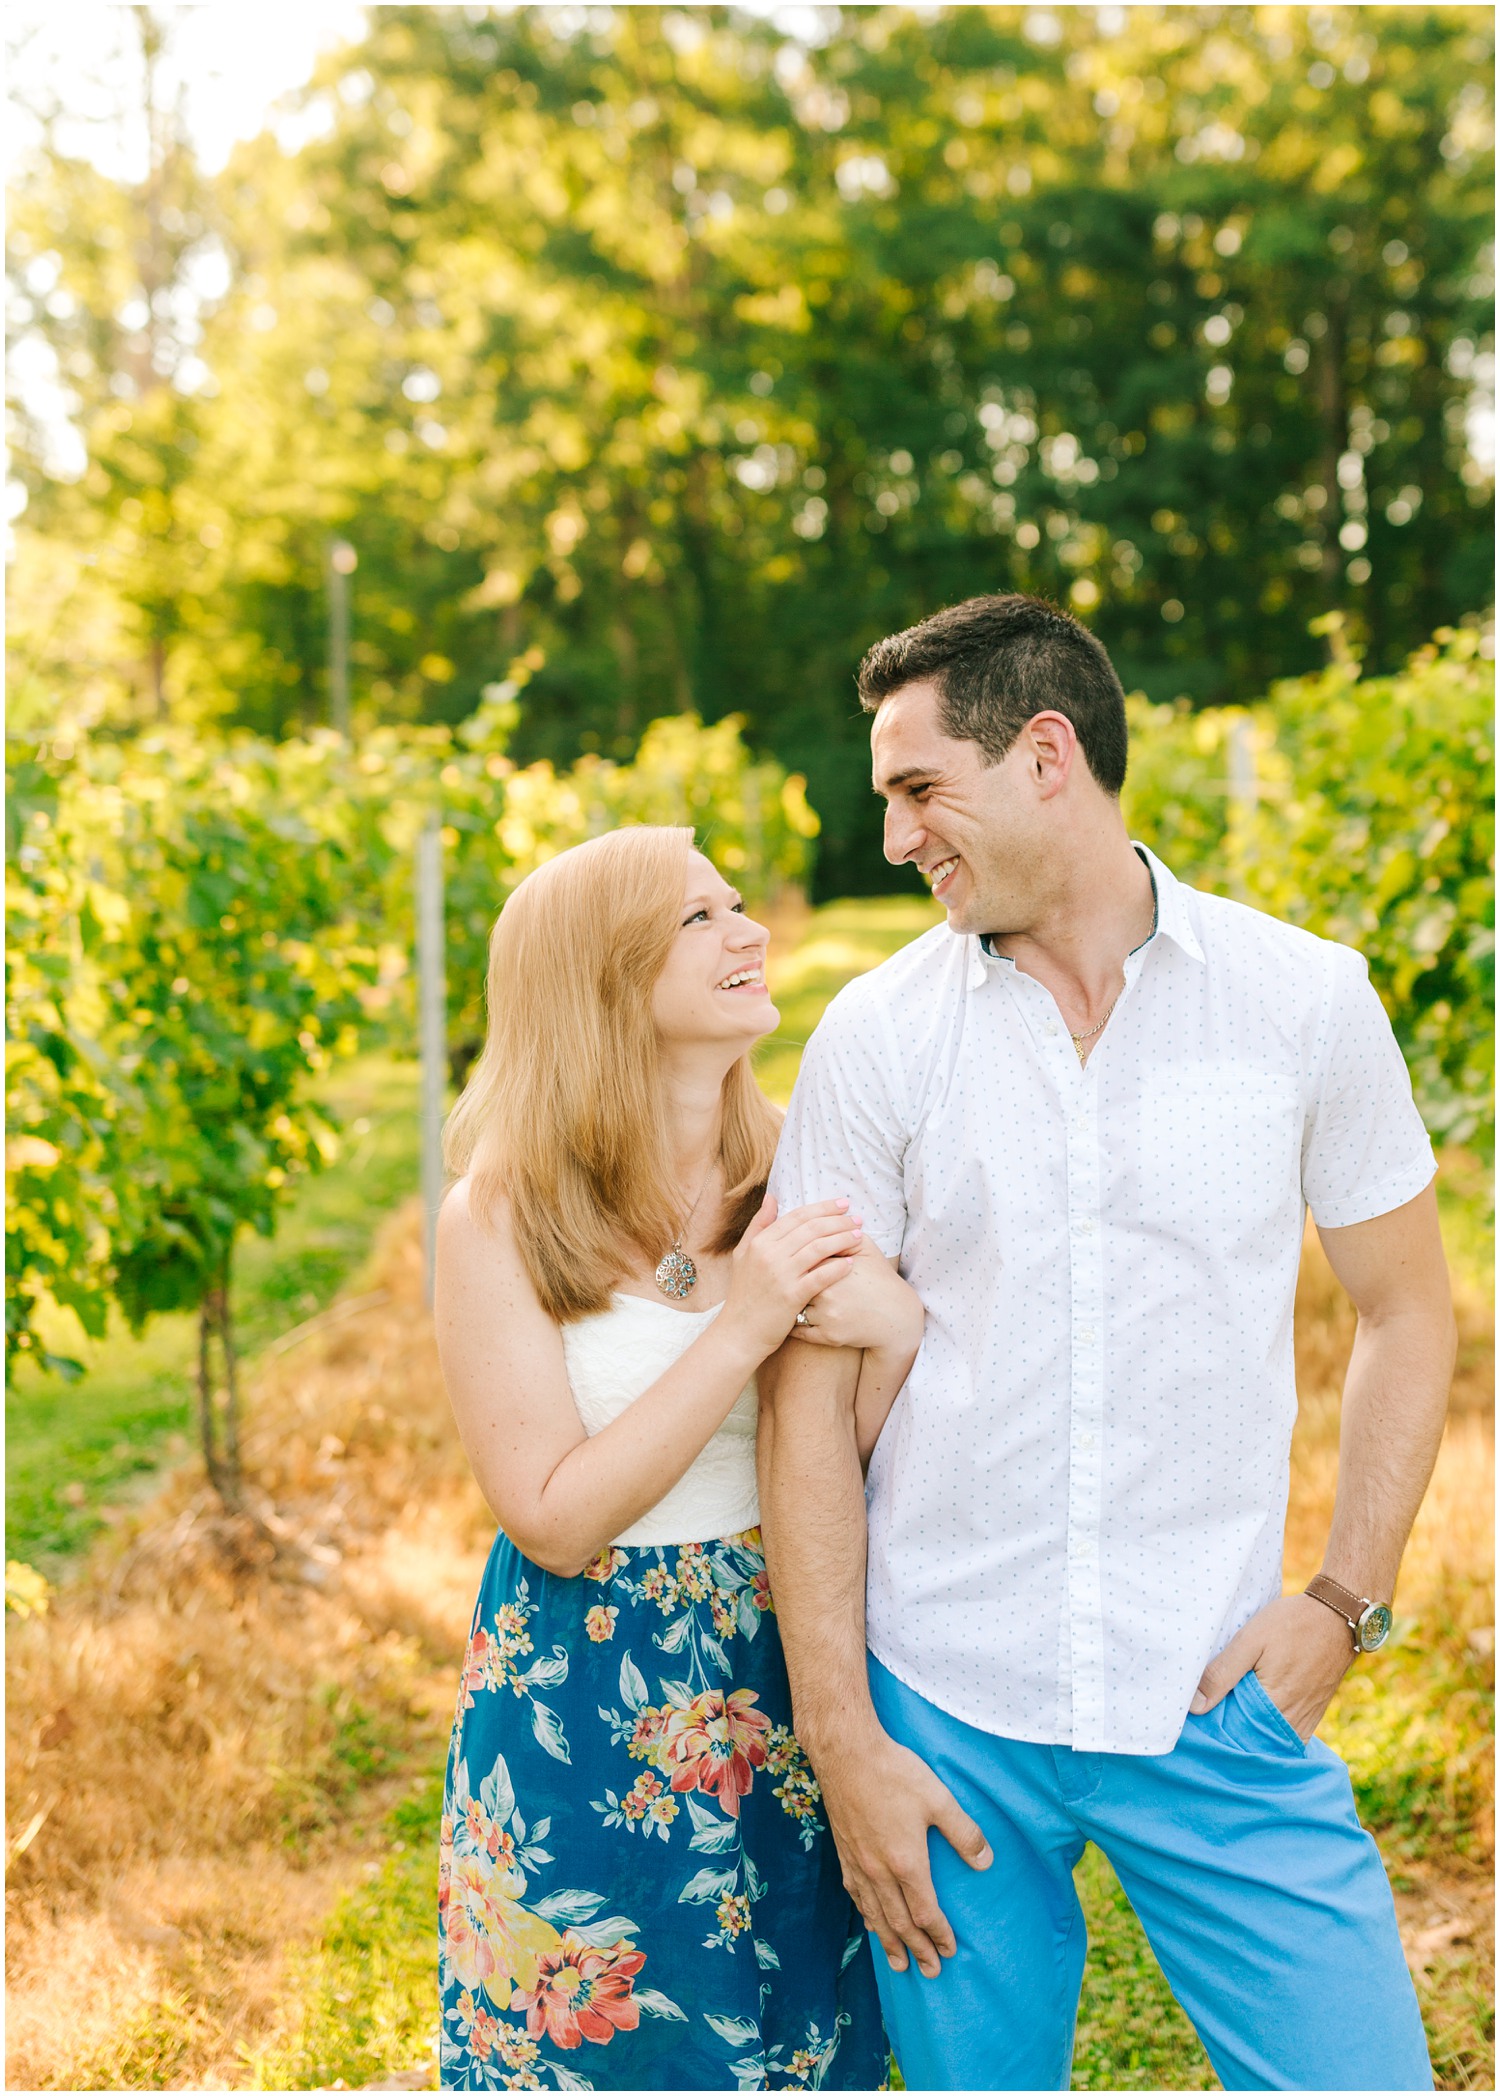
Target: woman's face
(713,987)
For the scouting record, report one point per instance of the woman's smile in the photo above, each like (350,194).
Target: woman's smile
(746,981)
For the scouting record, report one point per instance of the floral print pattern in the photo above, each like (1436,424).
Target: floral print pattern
(641,1891)
(581,1992)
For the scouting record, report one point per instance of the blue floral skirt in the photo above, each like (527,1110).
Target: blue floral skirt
(637,1889)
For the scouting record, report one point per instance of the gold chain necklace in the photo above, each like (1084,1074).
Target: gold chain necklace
(677,1275)
(1078,1039)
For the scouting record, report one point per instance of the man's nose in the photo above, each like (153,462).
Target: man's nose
(902,834)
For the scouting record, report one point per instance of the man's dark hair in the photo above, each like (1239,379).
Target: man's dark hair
(996,661)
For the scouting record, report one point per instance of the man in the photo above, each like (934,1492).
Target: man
(1087,1116)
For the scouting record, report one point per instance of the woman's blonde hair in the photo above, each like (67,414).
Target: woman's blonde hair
(565,1112)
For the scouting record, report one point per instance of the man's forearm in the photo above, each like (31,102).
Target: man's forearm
(1395,1402)
(1395,1398)
(813,1519)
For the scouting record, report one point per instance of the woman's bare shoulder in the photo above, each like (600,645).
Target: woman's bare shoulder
(480,1271)
(475,1230)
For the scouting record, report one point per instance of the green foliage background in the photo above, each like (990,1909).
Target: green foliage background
(1371,822)
(689,352)
(195,926)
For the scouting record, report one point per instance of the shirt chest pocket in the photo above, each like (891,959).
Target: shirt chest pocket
(1214,1149)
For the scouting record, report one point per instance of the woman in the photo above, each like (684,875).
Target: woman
(638,1889)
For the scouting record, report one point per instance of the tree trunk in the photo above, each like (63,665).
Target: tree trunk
(627,667)
(1333,409)
(697,543)
(231,1386)
(219,1409)
(207,1425)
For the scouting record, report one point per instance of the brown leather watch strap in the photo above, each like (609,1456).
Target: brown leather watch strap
(1350,1606)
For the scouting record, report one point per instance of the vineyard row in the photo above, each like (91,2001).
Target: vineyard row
(196,928)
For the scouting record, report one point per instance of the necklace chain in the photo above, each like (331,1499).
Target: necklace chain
(703,1189)
(1078,1039)
(676,1274)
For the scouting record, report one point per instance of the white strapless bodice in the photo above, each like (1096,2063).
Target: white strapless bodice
(612,1360)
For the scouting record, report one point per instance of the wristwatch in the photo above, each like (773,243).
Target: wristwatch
(1370,1621)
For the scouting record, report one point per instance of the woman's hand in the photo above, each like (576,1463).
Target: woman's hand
(781,1263)
(870,1307)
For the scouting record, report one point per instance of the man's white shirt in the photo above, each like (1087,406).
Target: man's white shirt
(1080,1494)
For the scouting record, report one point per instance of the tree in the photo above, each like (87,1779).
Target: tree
(695,357)
(185,952)
(109,281)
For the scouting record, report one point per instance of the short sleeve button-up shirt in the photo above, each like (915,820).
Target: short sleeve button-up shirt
(1080,1494)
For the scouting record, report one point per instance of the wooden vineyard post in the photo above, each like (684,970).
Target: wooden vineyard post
(432,1001)
(1244,792)
(342,561)
(755,838)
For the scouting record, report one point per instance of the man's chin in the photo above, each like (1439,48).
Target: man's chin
(962,917)
(965,910)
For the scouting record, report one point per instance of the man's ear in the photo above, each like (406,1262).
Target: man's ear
(1051,746)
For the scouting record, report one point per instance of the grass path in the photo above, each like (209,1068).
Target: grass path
(237,1775)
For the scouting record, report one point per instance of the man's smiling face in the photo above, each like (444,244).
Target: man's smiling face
(971,828)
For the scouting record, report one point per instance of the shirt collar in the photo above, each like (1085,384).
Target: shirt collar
(1172,919)
(1172,922)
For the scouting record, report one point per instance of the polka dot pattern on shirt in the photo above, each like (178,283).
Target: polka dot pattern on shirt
(1081,1494)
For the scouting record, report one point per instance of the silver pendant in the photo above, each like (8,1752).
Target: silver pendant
(677,1274)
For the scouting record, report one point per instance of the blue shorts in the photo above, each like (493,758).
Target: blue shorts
(1264,1899)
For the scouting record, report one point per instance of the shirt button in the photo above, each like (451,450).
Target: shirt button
(1085,1440)
(1088,1335)
(1051,1029)
(1084,1225)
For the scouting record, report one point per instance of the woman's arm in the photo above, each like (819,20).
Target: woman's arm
(560,1494)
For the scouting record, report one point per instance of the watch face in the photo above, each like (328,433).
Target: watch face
(1374,1627)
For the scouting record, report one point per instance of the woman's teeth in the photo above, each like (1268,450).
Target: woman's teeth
(743,976)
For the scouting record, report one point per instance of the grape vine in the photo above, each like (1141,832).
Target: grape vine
(196,929)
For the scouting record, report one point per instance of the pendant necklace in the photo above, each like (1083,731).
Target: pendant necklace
(677,1275)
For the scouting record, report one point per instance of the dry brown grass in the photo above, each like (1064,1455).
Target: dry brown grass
(214,1737)
(1453,1541)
